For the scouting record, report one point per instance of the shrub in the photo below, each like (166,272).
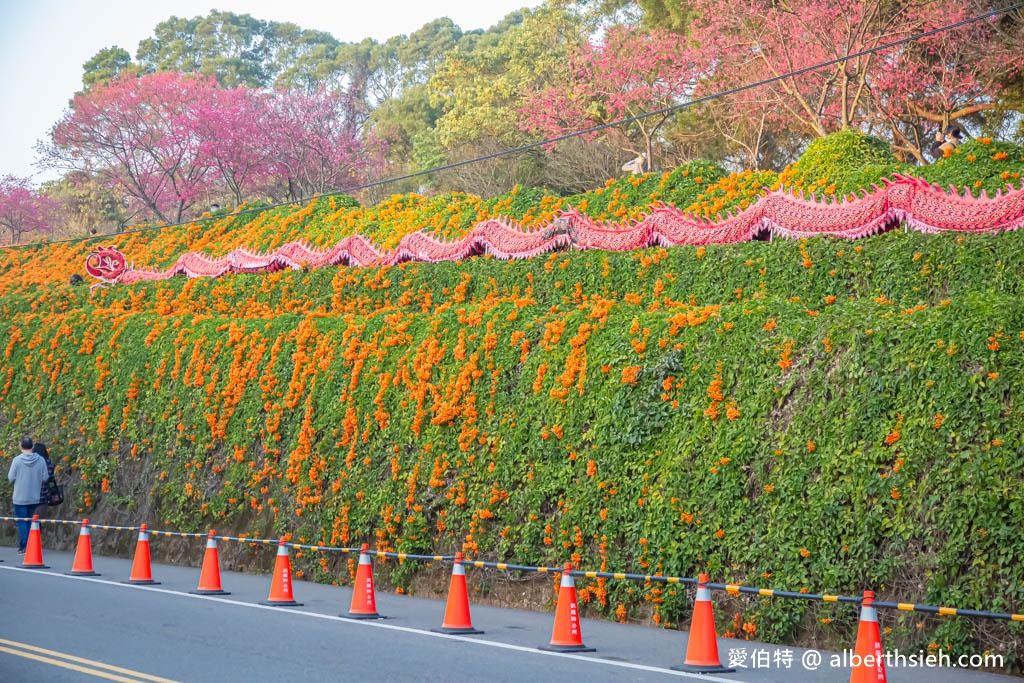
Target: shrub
(841,163)
(979,165)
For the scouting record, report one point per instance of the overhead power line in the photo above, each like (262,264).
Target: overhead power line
(573,134)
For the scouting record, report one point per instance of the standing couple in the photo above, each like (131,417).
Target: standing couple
(31,472)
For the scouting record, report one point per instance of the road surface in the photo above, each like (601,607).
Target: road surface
(60,628)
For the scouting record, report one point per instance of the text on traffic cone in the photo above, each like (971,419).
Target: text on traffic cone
(34,550)
(82,565)
(869,662)
(209,577)
(566,636)
(456,613)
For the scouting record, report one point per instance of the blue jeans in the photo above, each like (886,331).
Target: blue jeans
(23,527)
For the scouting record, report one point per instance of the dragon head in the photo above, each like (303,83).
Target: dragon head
(105,263)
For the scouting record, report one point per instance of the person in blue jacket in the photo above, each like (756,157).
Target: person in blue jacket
(28,473)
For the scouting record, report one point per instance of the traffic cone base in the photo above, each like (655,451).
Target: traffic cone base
(141,582)
(695,669)
(567,648)
(456,631)
(207,592)
(352,615)
(74,573)
(34,551)
(278,603)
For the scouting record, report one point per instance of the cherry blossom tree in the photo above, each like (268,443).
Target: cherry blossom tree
(140,136)
(760,39)
(165,140)
(314,139)
(629,72)
(23,210)
(903,90)
(926,85)
(235,139)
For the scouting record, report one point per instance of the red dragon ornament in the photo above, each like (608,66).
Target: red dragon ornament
(106,264)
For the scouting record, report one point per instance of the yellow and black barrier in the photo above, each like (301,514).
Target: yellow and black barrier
(731,588)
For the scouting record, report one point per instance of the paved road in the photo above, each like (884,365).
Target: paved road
(62,629)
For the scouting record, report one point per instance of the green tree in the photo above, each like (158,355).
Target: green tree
(231,47)
(238,49)
(84,204)
(673,15)
(302,58)
(480,89)
(106,65)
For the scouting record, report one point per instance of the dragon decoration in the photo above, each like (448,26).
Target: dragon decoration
(916,203)
(106,264)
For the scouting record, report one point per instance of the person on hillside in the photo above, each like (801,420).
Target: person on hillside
(946,142)
(44,492)
(28,472)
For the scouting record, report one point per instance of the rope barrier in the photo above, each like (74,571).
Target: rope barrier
(731,588)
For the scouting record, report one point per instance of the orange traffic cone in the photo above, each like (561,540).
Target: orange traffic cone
(281,584)
(566,635)
(34,550)
(364,601)
(83,555)
(702,646)
(209,578)
(142,572)
(456,614)
(869,666)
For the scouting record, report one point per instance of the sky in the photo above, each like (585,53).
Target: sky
(44,43)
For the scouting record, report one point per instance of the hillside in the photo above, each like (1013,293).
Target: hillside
(820,414)
(823,414)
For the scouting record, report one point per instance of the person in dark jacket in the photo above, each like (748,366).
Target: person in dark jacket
(28,472)
(44,492)
(946,142)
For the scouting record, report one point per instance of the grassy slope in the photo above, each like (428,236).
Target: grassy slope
(400,406)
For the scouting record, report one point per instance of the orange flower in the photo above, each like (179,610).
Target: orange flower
(629,374)
(785,363)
